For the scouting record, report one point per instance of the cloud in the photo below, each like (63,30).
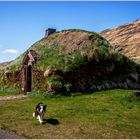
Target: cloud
(10,51)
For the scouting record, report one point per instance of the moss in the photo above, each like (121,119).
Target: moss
(55,81)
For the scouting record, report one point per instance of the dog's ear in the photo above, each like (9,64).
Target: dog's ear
(44,107)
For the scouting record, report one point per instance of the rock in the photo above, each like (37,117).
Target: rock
(125,85)
(47,72)
(132,85)
(107,85)
(135,77)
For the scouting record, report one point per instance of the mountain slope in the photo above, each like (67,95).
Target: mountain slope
(126,39)
(4,64)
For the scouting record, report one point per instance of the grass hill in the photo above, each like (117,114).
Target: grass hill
(78,60)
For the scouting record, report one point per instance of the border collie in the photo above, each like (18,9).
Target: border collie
(39,112)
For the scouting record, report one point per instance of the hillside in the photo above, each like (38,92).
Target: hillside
(4,64)
(73,61)
(126,39)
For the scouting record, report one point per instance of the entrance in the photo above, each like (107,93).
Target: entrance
(28,78)
(28,62)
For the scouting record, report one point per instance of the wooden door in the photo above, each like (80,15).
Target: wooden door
(28,78)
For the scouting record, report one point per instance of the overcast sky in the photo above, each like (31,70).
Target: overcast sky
(24,23)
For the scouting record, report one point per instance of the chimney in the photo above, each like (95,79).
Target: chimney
(50,31)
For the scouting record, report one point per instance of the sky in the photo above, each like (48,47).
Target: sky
(24,23)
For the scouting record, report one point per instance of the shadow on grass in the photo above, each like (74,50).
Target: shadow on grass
(51,121)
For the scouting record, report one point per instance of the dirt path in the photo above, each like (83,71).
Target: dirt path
(5,98)
(4,134)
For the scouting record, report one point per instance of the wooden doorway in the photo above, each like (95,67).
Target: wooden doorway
(28,78)
(29,61)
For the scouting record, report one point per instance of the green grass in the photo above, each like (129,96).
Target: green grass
(8,92)
(53,58)
(106,114)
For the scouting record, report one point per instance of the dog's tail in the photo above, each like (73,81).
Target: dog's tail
(34,114)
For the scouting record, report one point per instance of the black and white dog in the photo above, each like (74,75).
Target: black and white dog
(39,112)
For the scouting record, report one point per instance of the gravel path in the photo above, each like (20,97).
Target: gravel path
(4,134)
(6,98)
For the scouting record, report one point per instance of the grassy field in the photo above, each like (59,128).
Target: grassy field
(2,93)
(106,114)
